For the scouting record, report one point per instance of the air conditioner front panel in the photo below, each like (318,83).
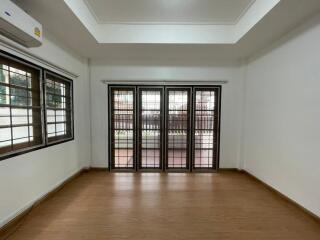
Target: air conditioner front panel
(18,26)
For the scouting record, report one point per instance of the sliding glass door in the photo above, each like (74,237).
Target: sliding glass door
(164,128)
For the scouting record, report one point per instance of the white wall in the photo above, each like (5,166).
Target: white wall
(135,70)
(276,138)
(282,131)
(25,178)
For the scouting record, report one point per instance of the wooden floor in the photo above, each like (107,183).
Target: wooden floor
(229,205)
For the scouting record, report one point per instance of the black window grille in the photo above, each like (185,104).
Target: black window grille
(20,106)
(123,128)
(33,101)
(58,91)
(205,128)
(150,128)
(178,128)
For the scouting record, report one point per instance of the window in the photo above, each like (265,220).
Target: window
(26,114)
(20,106)
(58,108)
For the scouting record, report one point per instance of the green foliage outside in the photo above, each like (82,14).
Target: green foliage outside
(54,101)
(2,89)
(18,96)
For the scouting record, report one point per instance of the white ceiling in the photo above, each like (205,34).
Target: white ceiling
(60,21)
(170,21)
(168,11)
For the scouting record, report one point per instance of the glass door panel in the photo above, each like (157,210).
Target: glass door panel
(178,128)
(205,128)
(123,128)
(173,128)
(150,128)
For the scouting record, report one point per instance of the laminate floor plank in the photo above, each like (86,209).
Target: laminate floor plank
(140,206)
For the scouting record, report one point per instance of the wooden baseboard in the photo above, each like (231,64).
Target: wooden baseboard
(98,169)
(228,170)
(314,216)
(11,226)
(107,169)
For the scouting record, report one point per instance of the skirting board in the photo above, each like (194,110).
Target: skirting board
(12,225)
(314,216)
(108,169)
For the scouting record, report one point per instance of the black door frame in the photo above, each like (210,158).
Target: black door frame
(162,129)
(136,155)
(216,130)
(111,146)
(189,144)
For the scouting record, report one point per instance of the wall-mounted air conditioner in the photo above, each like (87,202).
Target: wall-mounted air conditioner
(18,26)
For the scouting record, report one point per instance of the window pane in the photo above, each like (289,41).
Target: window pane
(51,101)
(61,128)
(20,132)
(3,98)
(5,143)
(18,77)
(4,94)
(49,86)
(5,134)
(3,74)
(19,101)
(4,111)
(4,121)
(51,116)
(59,108)
(20,120)
(61,116)
(19,92)
(51,128)
(4,116)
